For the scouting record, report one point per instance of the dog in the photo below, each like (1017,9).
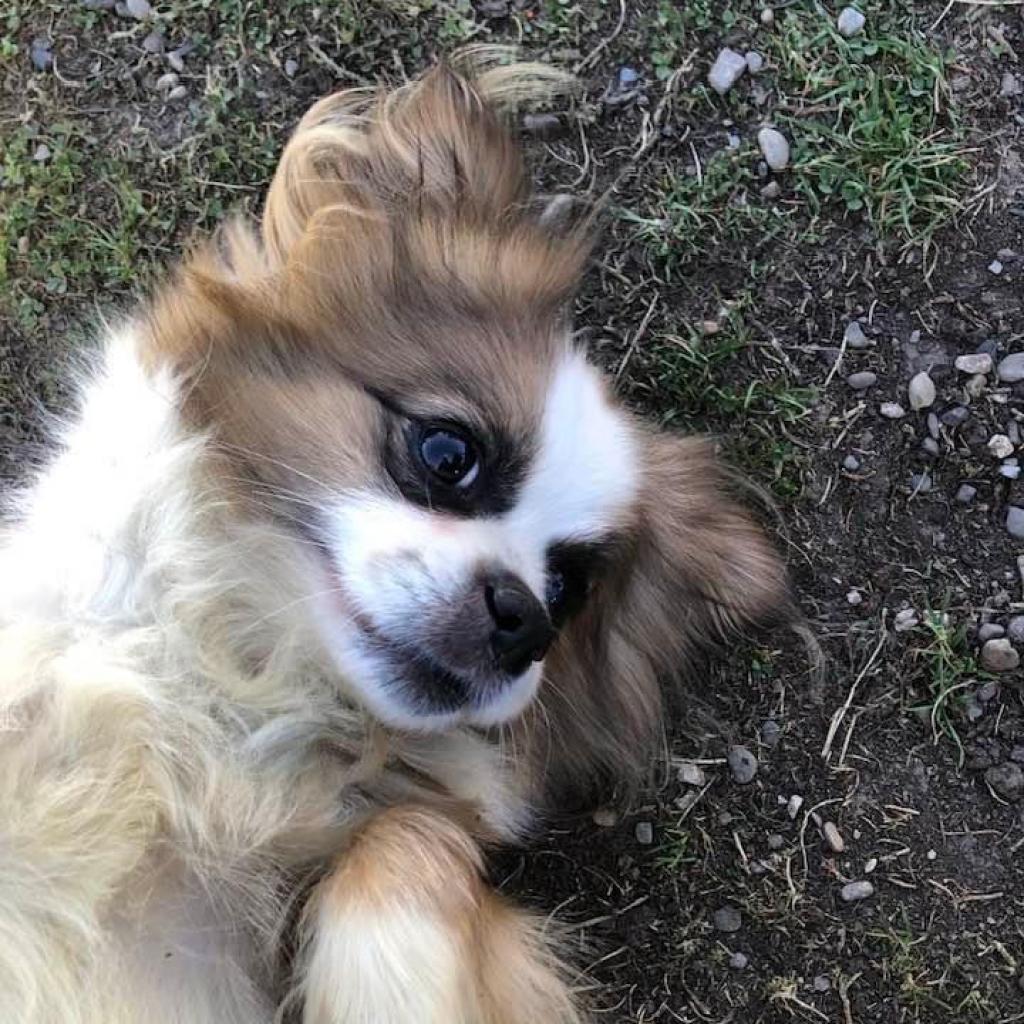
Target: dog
(348,567)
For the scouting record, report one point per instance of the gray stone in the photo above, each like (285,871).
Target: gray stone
(821,983)
(988,691)
(742,764)
(755,61)
(543,126)
(1015,629)
(40,52)
(153,43)
(165,83)
(892,410)
(691,775)
(850,464)
(995,267)
(177,61)
(854,598)
(1000,446)
(862,380)
(771,191)
(920,483)
(644,833)
(291,67)
(179,92)
(771,733)
(42,153)
(776,842)
(998,655)
(1010,85)
(833,837)
(990,631)
(1011,368)
(738,961)
(1010,469)
(921,391)
(975,386)
(726,71)
(1015,521)
(930,447)
(905,620)
(775,148)
(139,9)
(977,362)
(767,17)
(956,416)
(727,919)
(854,891)
(850,22)
(1006,780)
(854,335)
(933,426)
(628,76)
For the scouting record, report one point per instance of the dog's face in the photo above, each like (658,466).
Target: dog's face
(390,377)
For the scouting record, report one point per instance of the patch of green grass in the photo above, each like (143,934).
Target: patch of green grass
(950,669)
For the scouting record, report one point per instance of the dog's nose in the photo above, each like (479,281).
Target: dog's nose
(522,630)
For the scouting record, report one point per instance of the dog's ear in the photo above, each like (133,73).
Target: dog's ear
(699,573)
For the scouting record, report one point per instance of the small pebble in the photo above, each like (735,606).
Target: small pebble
(710,327)
(851,464)
(998,655)
(854,335)
(1011,368)
(870,865)
(775,148)
(726,71)
(291,67)
(978,362)
(995,267)
(179,92)
(793,806)
(771,733)
(42,153)
(988,691)
(930,447)
(153,43)
(854,598)
(990,631)
(139,9)
(1010,85)
(628,76)
(738,961)
(999,446)
(605,817)
(854,891)
(1007,780)
(956,416)
(933,426)
(833,837)
(543,126)
(177,61)
(165,83)
(850,22)
(892,410)
(975,387)
(905,620)
(41,54)
(767,16)
(862,380)
(644,833)
(691,775)
(776,842)
(742,764)
(1010,470)
(771,191)
(821,983)
(727,919)
(920,483)
(921,391)
(1015,629)
(755,61)
(931,855)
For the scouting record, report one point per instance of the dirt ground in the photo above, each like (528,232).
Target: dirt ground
(722,300)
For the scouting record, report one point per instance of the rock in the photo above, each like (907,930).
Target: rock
(691,775)
(870,865)
(543,126)
(921,391)
(1006,780)
(767,17)
(727,919)
(644,833)
(1010,85)
(771,733)
(793,805)
(40,53)
(990,631)
(854,335)
(710,327)
(862,380)
(179,92)
(1010,469)
(920,483)
(892,410)
(738,961)
(979,362)
(956,416)
(850,22)
(998,655)
(605,817)
(755,61)
(854,598)
(854,891)
(850,464)
(555,215)
(742,764)
(973,709)
(771,191)
(930,447)
(1000,446)
(821,983)
(628,77)
(988,691)
(1015,629)
(165,83)
(291,67)
(905,620)
(42,153)
(153,43)
(995,267)
(1011,368)
(726,71)
(975,387)
(138,9)
(833,837)
(177,61)
(776,842)
(775,147)
(933,426)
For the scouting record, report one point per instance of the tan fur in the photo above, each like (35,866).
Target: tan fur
(181,765)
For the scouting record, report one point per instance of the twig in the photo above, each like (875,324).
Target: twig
(840,713)
(637,335)
(604,44)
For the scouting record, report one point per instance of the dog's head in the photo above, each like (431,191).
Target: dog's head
(389,373)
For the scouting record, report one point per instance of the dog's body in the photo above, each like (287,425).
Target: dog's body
(283,641)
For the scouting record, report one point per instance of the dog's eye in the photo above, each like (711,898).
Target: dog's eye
(572,568)
(555,595)
(450,456)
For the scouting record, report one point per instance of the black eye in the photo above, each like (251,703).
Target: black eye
(555,595)
(450,456)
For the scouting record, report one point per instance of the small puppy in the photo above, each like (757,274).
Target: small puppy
(349,566)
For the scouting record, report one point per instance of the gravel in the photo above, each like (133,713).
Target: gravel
(644,833)
(854,598)
(1007,780)
(905,620)
(1011,369)
(771,733)
(854,891)
(755,61)
(998,655)
(165,83)
(738,961)
(833,837)
(966,493)
(605,817)
(775,148)
(854,335)
(995,267)
(850,22)
(930,447)
(1015,521)
(892,410)
(154,42)
(139,9)
(776,842)
(727,919)
(862,380)
(821,983)
(1000,446)
(692,775)
(41,54)
(978,362)
(1015,629)
(742,764)
(990,631)
(726,70)
(851,464)
(921,391)
(543,126)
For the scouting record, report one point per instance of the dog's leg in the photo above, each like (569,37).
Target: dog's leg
(406,931)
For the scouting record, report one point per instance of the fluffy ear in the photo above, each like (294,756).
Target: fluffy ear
(699,573)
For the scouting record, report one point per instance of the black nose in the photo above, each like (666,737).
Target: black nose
(522,630)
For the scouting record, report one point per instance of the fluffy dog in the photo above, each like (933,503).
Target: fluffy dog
(348,566)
